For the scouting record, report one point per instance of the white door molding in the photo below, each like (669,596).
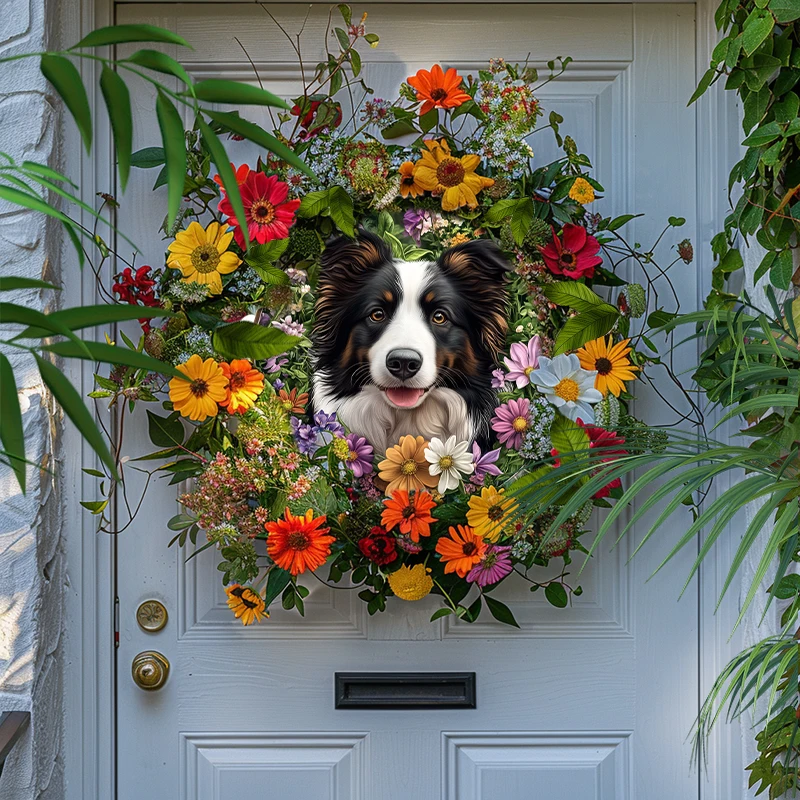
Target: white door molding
(90,659)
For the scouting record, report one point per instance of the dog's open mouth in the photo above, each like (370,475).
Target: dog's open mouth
(404,396)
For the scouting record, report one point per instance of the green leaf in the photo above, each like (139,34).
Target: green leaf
(172,136)
(400,128)
(73,406)
(500,611)
(264,256)
(344,39)
(256,134)
(22,315)
(159,62)
(81,317)
(217,90)
(618,222)
(346,12)
(340,205)
(165,431)
(762,135)
(501,210)
(705,82)
(118,102)
(126,34)
(372,39)
(220,158)
(428,120)
(785,10)
(277,581)
(11,431)
(11,282)
(441,612)
(573,295)
(66,80)
(587,326)
(780,273)
(113,354)
(148,157)
(256,342)
(756,28)
(313,204)
(521,219)
(567,436)
(556,595)
(47,172)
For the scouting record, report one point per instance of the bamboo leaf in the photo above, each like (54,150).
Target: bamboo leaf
(12,282)
(159,62)
(114,354)
(217,90)
(127,34)
(22,315)
(11,431)
(173,139)
(118,103)
(66,80)
(81,317)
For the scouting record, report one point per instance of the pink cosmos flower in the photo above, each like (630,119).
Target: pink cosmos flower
(510,422)
(493,567)
(268,214)
(523,359)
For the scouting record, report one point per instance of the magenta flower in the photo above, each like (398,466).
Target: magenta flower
(361,454)
(484,464)
(417,222)
(493,567)
(523,359)
(498,379)
(510,422)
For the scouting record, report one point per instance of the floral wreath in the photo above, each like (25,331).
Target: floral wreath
(282,493)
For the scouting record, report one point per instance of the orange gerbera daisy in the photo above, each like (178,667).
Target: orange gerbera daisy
(405,466)
(241,174)
(461,551)
(408,181)
(294,403)
(246,603)
(438,89)
(297,544)
(411,511)
(611,363)
(245,384)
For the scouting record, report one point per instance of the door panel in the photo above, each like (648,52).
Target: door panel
(592,702)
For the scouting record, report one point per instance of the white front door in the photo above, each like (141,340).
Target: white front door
(592,702)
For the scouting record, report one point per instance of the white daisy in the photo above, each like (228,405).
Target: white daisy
(449,460)
(568,386)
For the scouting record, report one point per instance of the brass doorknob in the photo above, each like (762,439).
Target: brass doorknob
(150,670)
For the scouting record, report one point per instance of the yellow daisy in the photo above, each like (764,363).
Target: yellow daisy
(582,191)
(202,255)
(411,583)
(611,363)
(199,397)
(451,177)
(490,513)
(246,604)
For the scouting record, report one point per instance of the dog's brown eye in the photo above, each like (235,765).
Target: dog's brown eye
(439,317)
(377,315)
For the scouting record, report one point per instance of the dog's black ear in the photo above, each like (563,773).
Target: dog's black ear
(344,257)
(480,268)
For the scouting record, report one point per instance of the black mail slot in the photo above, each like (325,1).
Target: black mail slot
(405,690)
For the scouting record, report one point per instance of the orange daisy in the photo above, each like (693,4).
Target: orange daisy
(245,384)
(462,551)
(411,511)
(612,363)
(438,89)
(294,403)
(246,603)
(405,466)
(408,181)
(297,544)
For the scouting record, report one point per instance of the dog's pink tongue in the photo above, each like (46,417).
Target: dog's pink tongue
(404,397)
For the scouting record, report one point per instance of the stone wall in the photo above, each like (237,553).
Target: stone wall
(32,570)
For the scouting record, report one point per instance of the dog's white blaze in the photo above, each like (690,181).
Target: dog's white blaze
(407,329)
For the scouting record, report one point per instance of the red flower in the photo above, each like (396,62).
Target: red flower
(611,446)
(240,172)
(379,547)
(268,213)
(137,290)
(314,121)
(574,255)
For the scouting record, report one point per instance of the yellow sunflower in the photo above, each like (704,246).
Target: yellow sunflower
(611,362)
(207,386)
(582,191)
(202,255)
(490,513)
(411,583)
(451,177)
(246,604)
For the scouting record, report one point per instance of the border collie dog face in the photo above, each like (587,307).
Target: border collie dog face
(407,347)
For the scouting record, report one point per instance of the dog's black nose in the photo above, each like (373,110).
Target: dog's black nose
(403,364)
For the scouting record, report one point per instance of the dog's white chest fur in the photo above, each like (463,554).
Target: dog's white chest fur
(443,413)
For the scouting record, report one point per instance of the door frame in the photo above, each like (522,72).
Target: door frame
(90,669)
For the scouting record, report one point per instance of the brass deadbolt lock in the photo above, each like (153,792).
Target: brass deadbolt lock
(151,616)
(150,670)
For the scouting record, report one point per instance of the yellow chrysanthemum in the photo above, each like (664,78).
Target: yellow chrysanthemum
(611,363)
(411,583)
(246,604)
(202,255)
(199,397)
(490,513)
(582,191)
(451,177)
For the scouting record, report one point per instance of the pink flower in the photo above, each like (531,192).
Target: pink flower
(268,213)
(574,255)
(493,567)
(510,422)
(523,359)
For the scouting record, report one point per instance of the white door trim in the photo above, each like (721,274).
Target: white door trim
(90,668)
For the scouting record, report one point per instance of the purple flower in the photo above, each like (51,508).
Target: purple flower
(484,464)
(523,359)
(305,436)
(361,455)
(274,364)
(417,222)
(278,384)
(289,326)
(327,422)
(498,379)
(493,567)
(510,422)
